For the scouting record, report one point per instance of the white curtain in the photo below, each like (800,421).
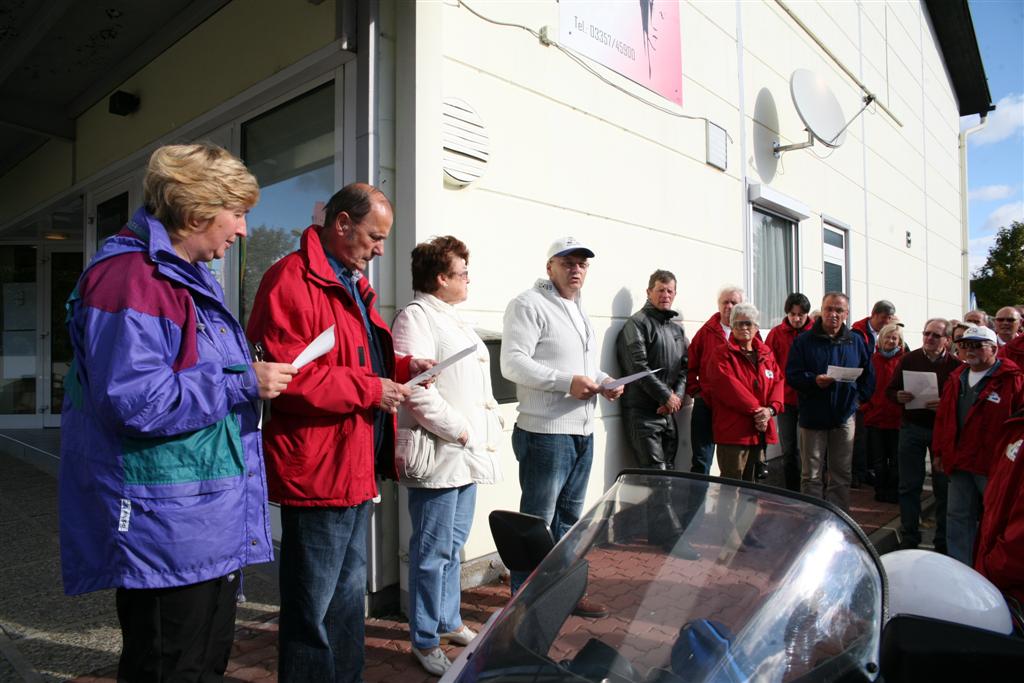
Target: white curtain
(773,277)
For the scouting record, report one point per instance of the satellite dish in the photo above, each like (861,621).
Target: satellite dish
(818,107)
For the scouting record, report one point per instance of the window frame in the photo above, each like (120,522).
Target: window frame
(843,259)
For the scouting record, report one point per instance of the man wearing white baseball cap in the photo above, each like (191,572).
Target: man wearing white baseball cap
(976,400)
(549,350)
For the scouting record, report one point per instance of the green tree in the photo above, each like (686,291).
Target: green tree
(1000,282)
(263,247)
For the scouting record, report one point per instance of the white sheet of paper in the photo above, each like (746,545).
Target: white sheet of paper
(623,381)
(318,347)
(923,385)
(841,374)
(451,360)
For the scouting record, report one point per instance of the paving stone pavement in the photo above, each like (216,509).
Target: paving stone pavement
(57,638)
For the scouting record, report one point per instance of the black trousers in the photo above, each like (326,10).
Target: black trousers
(177,635)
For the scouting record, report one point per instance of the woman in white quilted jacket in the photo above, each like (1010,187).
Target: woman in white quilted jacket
(447,443)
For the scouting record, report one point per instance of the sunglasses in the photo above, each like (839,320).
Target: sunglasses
(933,335)
(971,344)
(1006,320)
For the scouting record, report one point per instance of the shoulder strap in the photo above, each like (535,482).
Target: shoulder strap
(430,320)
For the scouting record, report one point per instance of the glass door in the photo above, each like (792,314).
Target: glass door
(19,336)
(60,269)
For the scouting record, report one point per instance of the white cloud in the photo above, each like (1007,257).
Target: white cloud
(1005,122)
(978,251)
(1002,216)
(991,192)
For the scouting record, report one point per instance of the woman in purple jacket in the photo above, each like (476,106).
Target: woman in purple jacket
(162,489)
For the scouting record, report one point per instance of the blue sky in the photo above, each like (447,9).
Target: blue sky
(995,154)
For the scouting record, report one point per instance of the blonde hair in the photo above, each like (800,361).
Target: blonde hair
(196,182)
(889,329)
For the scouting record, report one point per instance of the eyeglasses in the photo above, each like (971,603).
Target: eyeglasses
(464,275)
(744,324)
(1006,320)
(933,335)
(971,344)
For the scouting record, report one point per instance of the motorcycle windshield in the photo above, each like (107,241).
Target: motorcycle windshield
(704,580)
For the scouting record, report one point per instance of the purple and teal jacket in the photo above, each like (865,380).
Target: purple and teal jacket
(161,474)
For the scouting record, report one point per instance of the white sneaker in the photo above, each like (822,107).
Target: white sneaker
(464,636)
(435,662)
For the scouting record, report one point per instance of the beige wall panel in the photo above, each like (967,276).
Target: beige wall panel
(897,146)
(888,224)
(44,173)
(907,17)
(873,14)
(211,64)
(943,193)
(944,294)
(721,14)
(892,186)
(709,57)
(554,155)
(872,41)
(835,24)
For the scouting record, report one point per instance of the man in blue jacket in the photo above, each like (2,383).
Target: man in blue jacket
(827,404)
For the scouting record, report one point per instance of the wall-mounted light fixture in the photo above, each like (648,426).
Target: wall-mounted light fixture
(123,103)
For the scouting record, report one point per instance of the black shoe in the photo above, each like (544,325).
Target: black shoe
(751,542)
(761,470)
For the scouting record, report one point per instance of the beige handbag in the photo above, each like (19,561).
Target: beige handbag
(415,449)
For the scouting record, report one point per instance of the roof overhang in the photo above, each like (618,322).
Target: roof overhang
(954,30)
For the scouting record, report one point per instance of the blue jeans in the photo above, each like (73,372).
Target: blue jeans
(553,474)
(915,443)
(702,440)
(441,520)
(966,493)
(323,592)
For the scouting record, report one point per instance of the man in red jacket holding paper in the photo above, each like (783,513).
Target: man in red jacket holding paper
(332,432)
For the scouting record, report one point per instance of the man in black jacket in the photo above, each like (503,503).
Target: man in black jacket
(652,340)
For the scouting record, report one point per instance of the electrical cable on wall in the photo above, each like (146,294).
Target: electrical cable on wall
(545,39)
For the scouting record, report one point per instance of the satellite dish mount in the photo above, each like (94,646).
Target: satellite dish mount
(819,110)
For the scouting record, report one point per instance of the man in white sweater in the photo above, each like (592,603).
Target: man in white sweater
(550,351)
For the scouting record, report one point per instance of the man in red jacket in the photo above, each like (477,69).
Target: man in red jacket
(713,334)
(780,339)
(1014,350)
(976,400)
(1000,556)
(331,431)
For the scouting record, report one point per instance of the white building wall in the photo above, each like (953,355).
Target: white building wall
(573,155)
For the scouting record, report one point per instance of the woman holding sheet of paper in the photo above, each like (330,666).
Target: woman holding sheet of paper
(447,443)
(162,492)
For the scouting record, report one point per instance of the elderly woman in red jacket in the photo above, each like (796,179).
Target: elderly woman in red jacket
(748,389)
(883,417)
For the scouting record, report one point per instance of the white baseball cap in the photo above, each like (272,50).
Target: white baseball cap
(979,333)
(568,245)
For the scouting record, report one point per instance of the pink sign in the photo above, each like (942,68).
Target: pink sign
(636,38)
